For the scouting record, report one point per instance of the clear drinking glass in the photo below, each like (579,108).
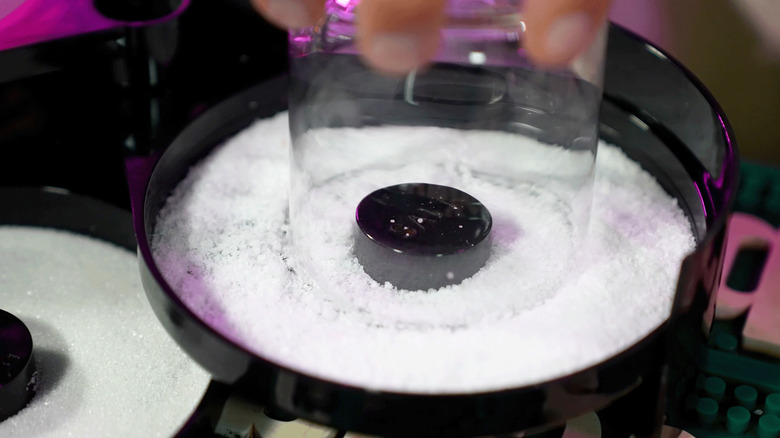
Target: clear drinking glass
(504,149)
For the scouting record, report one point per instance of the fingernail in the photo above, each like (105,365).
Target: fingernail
(395,52)
(289,12)
(566,35)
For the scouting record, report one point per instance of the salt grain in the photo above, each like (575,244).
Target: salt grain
(531,314)
(106,365)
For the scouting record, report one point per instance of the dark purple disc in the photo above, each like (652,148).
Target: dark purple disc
(420,236)
(17,366)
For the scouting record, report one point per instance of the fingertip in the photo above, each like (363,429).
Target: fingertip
(398,36)
(563,40)
(290,13)
(557,31)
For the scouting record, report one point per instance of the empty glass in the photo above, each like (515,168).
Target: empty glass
(481,119)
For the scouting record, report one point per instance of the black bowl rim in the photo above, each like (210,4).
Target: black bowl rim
(729,173)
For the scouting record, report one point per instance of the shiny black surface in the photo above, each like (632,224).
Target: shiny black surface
(423,219)
(419,236)
(647,131)
(57,208)
(17,365)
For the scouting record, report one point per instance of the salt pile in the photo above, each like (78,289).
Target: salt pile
(529,315)
(106,365)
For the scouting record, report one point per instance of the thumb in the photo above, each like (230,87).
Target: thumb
(559,30)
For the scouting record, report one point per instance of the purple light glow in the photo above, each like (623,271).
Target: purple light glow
(302,38)
(708,182)
(725,130)
(719,182)
(7,6)
(701,199)
(36,21)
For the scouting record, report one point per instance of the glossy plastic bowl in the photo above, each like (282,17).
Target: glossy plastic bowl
(654,109)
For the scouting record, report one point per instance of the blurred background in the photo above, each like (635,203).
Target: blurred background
(733,47)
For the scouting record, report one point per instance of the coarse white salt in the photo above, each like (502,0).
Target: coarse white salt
(529,315)
(106,366)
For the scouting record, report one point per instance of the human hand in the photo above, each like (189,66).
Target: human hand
(397,36)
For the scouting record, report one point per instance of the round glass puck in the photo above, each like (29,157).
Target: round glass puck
(17,367)
(420,236)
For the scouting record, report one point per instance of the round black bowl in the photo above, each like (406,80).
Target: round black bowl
(654,109)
